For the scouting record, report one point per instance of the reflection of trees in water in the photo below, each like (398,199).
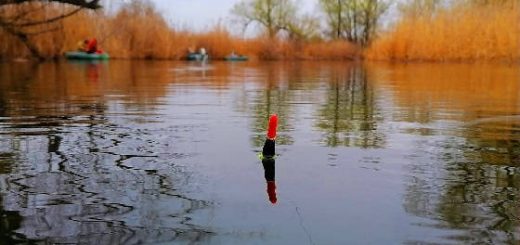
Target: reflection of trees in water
(104,186)
(74,174)
(273,98)
(464,171)
(478,189)
(10,221)
(497,142)
(349,116)
(14,81)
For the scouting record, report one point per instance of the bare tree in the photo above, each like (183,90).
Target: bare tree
(353,20)
(17,17)
(304,27)
(335,15)
(273,15)
(371,11)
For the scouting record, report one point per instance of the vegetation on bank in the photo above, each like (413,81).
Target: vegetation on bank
(138,30)
(462,31)
(425,30)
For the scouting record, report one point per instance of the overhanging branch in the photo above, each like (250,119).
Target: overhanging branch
(18,26)
(92,4)
(47,21)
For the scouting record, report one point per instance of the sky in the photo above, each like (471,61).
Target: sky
(203,14)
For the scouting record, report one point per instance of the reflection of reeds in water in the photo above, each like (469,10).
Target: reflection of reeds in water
(475,90)
(478,102)
(56,83)
(464,31)
(138,30)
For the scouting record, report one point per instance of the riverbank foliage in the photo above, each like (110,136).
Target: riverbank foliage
(462,31)
(425,30)
(138,30)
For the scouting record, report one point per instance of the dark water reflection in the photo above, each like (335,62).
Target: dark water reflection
(350,114)
(158,152)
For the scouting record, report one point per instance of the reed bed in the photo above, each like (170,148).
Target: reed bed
(461,32)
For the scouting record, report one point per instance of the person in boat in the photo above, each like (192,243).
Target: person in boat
(92,46)
(82,45)
(233,54)
(203,54)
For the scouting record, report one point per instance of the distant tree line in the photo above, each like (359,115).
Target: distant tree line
(356,21)
(352,20)
(346,21)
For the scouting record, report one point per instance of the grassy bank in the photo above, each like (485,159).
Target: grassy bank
(461,32)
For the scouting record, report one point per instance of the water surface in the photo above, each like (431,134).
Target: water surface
(127,152)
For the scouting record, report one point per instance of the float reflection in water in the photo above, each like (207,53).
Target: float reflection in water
(268,154)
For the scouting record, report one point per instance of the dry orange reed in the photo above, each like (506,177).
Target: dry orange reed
(138,30)
(49,42)
(463,32)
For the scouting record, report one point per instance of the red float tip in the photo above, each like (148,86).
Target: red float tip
(273,124)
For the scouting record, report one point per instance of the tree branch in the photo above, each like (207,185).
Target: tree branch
(43,31)
(34,23)
(92,4)
(17,28)
(24,39)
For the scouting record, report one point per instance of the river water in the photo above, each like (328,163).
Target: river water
(163,152)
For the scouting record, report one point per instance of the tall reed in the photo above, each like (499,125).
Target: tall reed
(465,31)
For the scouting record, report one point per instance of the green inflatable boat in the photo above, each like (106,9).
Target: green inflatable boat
(234,57)
(76,55)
